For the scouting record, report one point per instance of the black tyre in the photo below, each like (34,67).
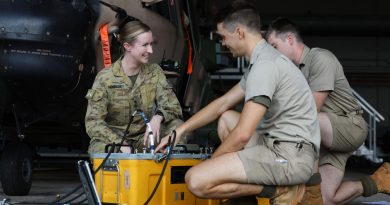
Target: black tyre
(16,169)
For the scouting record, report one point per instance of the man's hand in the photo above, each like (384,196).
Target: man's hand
(164,141)
(163,144)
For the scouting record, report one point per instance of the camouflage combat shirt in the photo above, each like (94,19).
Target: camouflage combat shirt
(113,98)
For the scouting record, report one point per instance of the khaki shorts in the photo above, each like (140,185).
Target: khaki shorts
(349,133)
(137,141)
(269,162)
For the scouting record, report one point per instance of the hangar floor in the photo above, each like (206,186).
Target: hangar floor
(58,179)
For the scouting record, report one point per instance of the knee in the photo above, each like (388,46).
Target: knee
(195,184)
(223,124)
(328,198)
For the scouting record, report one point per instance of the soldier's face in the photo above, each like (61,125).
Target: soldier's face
(282,45)
(229,39)
(141,49)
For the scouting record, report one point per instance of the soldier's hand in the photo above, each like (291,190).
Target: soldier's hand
(155,124)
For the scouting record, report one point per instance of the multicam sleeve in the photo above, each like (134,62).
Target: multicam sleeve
(167,102)
(95,124)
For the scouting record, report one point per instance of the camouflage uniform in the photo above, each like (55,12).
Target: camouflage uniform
(113,98)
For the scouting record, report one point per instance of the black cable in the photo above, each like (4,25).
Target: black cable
(171,144)
(104,160)
(120,12)
(120,144)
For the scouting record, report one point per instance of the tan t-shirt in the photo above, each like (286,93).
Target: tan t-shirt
(292,114)
(324,72)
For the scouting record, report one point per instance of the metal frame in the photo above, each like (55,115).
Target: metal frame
(375,117)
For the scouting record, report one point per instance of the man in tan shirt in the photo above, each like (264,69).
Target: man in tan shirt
(270,147)
(342,126)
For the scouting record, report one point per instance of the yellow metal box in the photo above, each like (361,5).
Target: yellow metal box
(129,179)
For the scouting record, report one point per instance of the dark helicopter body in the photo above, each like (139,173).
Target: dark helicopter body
(46,67)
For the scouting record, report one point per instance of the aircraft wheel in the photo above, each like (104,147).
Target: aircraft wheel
(16,169)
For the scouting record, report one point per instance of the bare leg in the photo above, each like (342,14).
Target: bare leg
(334,191)
(226,123)
(325,129)
(221,177)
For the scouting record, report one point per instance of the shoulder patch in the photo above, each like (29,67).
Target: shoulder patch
(94,95)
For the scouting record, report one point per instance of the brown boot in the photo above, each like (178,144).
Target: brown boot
(288,195)
(246,200)
(312,196)
(381,178)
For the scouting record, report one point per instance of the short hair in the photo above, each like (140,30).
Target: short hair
(129,32)
(282,26)
(239,12)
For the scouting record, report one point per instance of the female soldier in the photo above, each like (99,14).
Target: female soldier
(130,84)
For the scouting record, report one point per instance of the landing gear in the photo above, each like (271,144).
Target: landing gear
(16,169)
(16,164)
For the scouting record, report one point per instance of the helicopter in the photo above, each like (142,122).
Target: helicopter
(51,53)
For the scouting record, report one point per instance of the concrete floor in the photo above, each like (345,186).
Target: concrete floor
(50,182)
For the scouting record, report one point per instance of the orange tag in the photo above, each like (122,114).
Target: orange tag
(105,45)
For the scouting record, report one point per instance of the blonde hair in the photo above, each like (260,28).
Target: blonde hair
(129,32)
